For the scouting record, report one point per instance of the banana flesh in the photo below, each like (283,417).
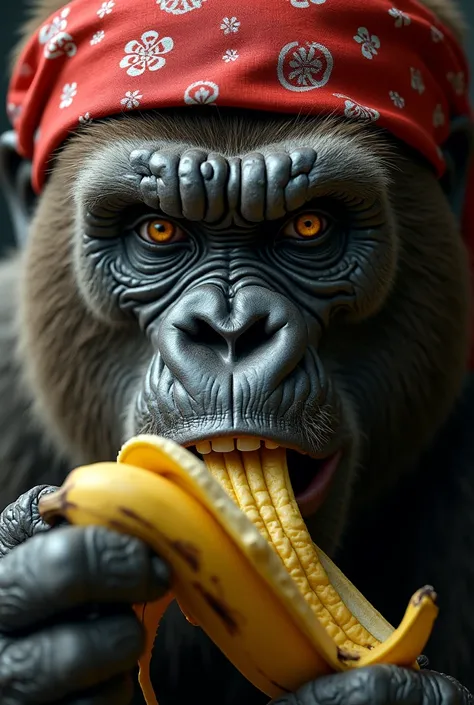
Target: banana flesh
(244,567)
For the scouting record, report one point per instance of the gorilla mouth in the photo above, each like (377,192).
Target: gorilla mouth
(310,476)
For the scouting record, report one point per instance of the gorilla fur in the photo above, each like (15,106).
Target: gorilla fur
(69,372)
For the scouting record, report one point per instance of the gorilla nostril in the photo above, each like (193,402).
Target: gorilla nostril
(225,341)
(254,337)
(203,333)
(260,334)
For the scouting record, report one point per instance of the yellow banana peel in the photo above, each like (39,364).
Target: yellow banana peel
(244,567)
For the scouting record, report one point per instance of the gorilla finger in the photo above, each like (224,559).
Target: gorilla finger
(116,692)
(374,685)
(71,566)
(68,659)
(444,690)
(21,519)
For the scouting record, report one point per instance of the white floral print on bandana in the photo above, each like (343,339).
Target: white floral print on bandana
(458,82)
(14,111)
(230,25)
(56,40)
(201,92)
(146,55)
(230,55)
(307,3)
(68,94)
(304,68)
(131,100)
(370,43)
(401,18)
(97,37)
(397,99)
(417,82)
(106,8)
(354,110)
(179,7)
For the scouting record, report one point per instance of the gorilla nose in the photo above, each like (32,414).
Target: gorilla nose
(244,331)
(259,332)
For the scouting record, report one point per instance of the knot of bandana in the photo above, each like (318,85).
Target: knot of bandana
(397,67)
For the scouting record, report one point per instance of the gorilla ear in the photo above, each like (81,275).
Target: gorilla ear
(15,181)
(457,151)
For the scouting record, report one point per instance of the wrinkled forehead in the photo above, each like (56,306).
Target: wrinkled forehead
(264,171)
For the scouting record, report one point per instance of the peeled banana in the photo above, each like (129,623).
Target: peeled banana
(244,567)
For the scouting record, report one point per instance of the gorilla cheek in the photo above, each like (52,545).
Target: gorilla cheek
(374,268)
(94,271)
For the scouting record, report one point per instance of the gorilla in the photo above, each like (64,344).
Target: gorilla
(335,319)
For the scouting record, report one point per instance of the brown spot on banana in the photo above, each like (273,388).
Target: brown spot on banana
(228,616)
(426,591)
(188,552)
(130,514)
(275,683)
(344,655)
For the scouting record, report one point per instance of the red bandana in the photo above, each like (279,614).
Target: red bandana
(392,64)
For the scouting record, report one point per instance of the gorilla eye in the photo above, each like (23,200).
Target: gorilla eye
(307,226)
(159,230)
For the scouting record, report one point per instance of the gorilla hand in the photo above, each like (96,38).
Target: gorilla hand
(381,685)
(67,630)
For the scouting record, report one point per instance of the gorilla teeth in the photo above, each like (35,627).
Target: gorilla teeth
(223,445)
(203,447)
(248,443)
(227,444)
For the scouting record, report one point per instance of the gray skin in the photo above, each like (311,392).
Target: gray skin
(355,341)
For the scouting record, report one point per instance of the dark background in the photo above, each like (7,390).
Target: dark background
(11,14)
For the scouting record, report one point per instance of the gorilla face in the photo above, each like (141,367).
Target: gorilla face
(233,280)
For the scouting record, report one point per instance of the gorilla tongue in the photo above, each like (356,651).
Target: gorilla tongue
(259,483)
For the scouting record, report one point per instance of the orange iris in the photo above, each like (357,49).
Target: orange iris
(160,230)
(308,225)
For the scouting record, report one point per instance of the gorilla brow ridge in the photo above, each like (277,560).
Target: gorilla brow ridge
(199,184)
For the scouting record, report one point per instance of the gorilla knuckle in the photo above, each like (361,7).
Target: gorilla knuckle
(92,559)
(25,670)
(62,558)
(50,664)
(365,686)
(439,689)
(121,560)
(13,599)
(369,685)
(21,519)
(124,635)
(406,686)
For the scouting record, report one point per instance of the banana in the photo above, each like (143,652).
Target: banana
(244,567)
